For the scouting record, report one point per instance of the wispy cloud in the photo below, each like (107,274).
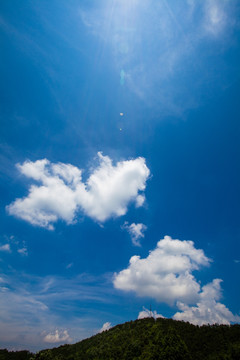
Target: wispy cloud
(156,70)
(14,245)
(69,266)
(218,17)
(36,310)
(136,232)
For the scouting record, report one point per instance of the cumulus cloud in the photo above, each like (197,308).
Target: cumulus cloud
(149,314)
(57,337)
(106,326)
(208,310)
(62,193)
(5,247)
(166,273)
(136,232)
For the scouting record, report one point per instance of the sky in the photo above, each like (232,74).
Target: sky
(119,166)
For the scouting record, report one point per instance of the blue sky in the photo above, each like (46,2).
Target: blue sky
(119,166)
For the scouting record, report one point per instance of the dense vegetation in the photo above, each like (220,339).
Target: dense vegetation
(15,355)
(149,339)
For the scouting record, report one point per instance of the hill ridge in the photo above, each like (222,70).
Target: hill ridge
(150,339)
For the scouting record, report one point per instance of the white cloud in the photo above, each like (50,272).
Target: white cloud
(208,309)
(62,193)
(23,251)
(166,273)
(135,231)
(149,314)
(106,326)
(57,337)
(5,247)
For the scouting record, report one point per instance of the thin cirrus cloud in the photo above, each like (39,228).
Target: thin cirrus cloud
(166,273)
(33,307)
(62,193)
(136,231)
(217,16)
(177,55)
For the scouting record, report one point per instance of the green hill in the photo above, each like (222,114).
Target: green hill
(149,339)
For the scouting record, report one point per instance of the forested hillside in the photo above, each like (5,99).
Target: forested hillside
(151,339)
(15,355)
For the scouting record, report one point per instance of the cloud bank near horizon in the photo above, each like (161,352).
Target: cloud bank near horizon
(197,22)
(107,192)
